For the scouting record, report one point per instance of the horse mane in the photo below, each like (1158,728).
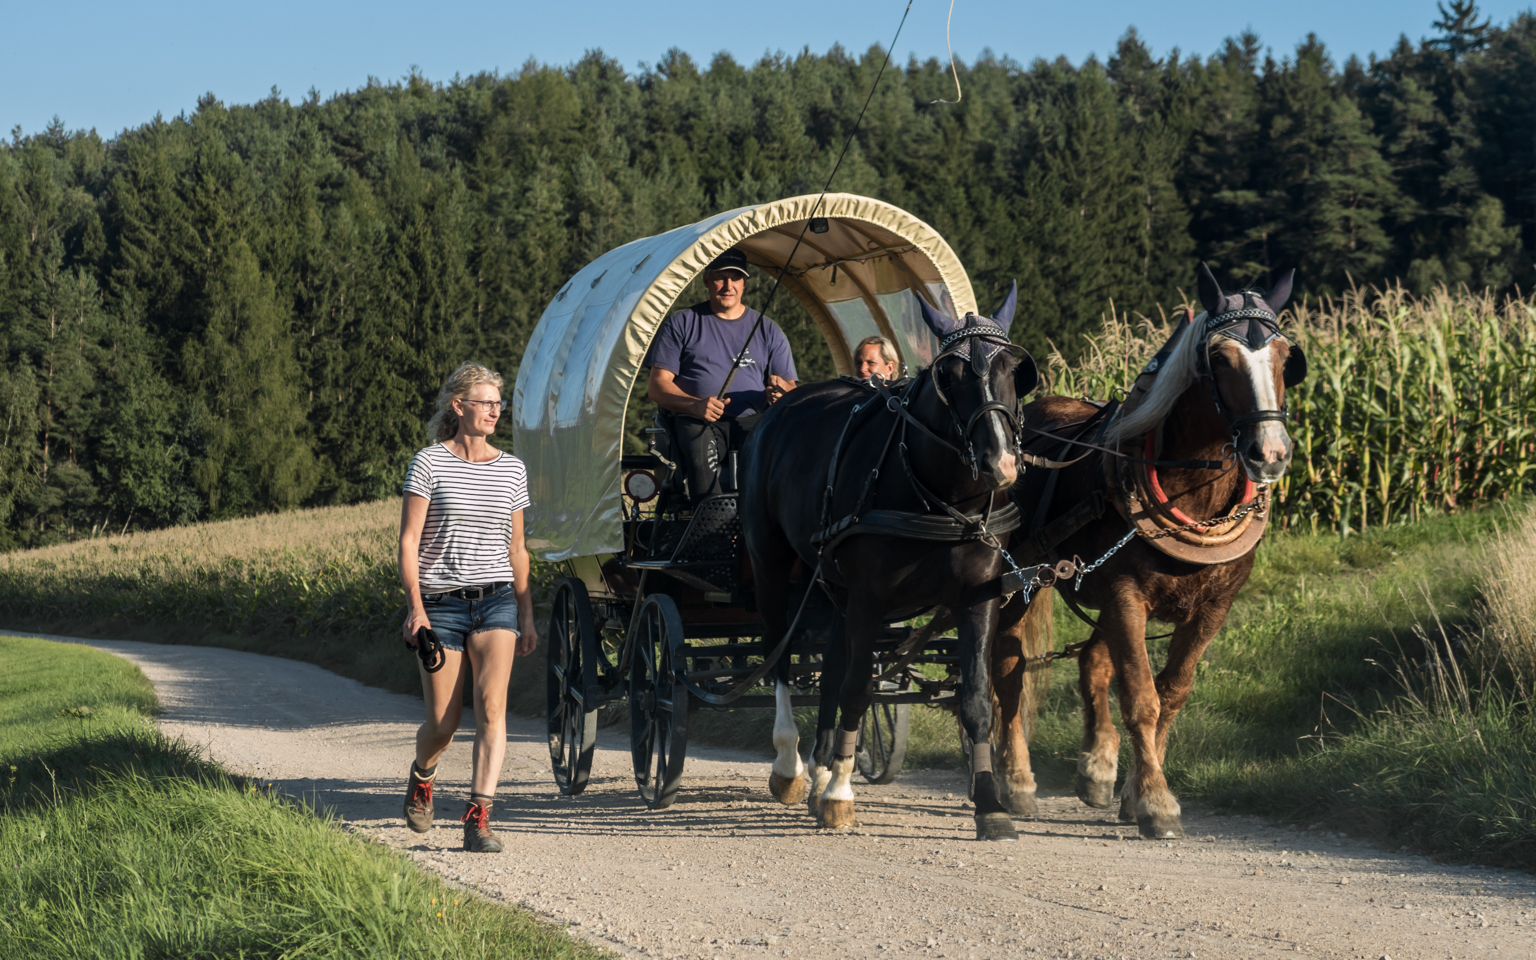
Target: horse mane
(1173,377)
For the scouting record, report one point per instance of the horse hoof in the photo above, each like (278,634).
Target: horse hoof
(995,826)
(1021,804)
(1160,828)
(1095,793)
(786,790)
(836,815)
(813,804)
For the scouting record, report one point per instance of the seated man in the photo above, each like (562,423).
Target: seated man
(875,357)
(690,359)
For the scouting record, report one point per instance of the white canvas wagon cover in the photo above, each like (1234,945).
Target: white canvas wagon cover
(859,278)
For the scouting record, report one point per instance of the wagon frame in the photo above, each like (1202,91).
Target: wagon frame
(655,605)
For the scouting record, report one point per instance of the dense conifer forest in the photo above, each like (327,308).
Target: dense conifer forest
(249,307)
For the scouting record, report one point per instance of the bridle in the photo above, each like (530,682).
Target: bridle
(966,342)
(970,342)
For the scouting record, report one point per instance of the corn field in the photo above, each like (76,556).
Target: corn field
(1412,405)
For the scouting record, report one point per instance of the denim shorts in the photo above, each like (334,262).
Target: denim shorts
(454,619)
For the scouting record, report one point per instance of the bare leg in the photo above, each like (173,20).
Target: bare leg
(1099,758)
(491,652)
(443,692)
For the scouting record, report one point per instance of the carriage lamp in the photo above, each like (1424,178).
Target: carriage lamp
(820,225)
(641,486)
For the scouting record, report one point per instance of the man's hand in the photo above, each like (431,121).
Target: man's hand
(777,387)
(710,409)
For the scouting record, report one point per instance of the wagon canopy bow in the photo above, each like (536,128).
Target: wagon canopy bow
(861,277)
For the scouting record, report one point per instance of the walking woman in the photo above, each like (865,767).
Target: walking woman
(465,570)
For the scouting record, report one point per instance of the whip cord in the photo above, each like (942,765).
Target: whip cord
(953,72)
(763,314)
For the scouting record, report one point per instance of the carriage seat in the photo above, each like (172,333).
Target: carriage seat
(665,449)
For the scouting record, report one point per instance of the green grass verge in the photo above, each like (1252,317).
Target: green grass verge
(118,843)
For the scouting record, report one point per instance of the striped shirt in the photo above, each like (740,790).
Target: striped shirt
(468,531)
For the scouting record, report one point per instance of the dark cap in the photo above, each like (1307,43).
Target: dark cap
(732,259)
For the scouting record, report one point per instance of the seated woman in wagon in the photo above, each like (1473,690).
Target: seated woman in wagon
(876,357)
(690,359)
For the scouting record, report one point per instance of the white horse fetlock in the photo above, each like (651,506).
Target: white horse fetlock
(786,736)
(840,780)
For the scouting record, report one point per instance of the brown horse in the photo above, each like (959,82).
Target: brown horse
(1185,520)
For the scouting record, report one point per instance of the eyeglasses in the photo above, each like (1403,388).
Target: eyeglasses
(499,405)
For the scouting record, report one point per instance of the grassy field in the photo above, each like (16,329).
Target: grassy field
(1320,700)
(118,843)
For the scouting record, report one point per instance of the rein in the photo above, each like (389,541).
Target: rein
(955,526)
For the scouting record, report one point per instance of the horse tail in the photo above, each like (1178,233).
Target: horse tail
(1037,640)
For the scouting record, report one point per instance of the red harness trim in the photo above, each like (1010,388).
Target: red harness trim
(1148,446)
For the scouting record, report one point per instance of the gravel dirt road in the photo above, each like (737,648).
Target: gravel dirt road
(728,873)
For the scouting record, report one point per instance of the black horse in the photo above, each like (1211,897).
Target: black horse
(897,498)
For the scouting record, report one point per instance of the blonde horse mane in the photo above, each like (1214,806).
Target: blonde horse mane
(1172,378)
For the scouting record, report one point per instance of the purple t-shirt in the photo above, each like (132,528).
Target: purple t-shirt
(699,348)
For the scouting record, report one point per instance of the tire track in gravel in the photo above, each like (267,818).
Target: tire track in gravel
(728,873)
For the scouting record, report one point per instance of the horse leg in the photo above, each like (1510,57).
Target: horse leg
(1012,701)
(1177,678)
(854,696)
(1100,754)
(977,625)
(786,781)
(1124,623)
(772,563)
(833,659)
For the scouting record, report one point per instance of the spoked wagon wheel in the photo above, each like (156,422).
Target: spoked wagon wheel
(570,671)
(658,702)
(882,744)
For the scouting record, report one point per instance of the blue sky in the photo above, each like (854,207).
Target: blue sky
(112,65)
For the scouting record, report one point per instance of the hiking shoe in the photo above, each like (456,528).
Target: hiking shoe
(418,805)
(478,837)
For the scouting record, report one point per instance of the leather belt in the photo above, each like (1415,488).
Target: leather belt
(470,593)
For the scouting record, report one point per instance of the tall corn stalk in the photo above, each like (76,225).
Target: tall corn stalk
(1412,405)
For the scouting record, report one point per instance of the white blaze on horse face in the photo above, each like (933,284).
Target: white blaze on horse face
(1273,443)
(786,735)
(1007,468)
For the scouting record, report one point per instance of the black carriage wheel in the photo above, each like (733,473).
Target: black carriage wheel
(882,745)
(658,702)
(569,673)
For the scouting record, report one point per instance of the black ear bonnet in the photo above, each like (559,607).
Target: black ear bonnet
(1253,324)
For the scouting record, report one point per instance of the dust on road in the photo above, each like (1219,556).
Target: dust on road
(728,873)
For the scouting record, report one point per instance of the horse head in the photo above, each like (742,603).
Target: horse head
(972,392)
(1250,364)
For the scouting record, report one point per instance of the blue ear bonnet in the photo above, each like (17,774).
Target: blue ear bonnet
(957,336)
(983,332)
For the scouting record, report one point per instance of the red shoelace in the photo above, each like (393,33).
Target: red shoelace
(479,815)
(422,794)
